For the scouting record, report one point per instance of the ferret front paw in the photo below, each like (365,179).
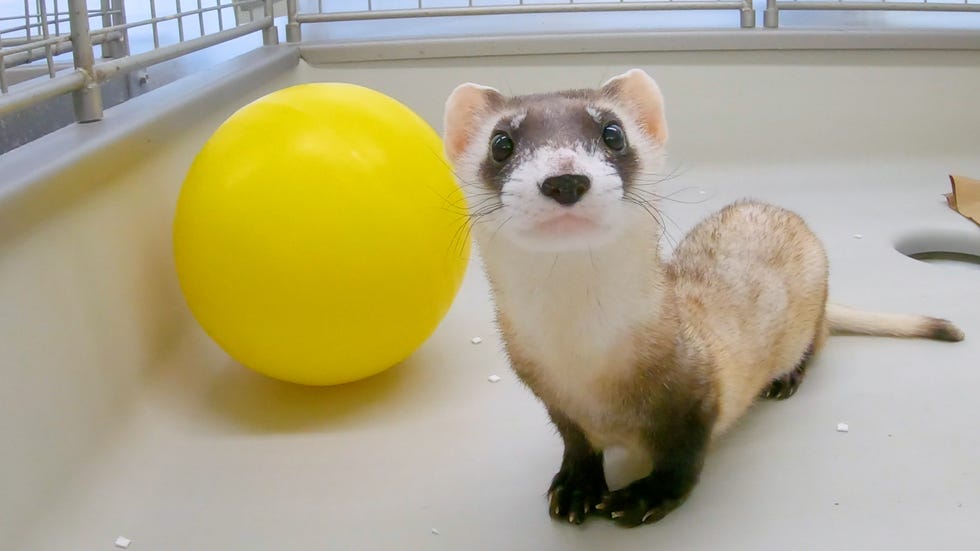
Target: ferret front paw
(576,491)
(638,503)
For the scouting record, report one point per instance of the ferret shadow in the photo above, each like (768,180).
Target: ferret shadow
(237,399)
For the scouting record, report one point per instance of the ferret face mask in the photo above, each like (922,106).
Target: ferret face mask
(558,171)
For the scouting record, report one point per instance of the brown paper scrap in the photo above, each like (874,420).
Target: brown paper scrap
(965,198)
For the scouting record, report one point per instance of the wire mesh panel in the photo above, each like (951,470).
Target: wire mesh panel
(773,7)
(325,11)
(51,47)
(25,38)
(54,47)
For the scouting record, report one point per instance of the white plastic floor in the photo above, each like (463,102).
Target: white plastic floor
(431,455)
(202,454)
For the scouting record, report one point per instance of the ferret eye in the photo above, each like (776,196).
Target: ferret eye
(614,137)
(501,147)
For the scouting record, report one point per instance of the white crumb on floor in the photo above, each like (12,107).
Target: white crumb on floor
(435,532)
(476,340)
(842,427)
(494,379)
(858,236)
(123,542)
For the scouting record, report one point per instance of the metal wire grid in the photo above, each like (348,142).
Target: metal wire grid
(773,7)
(49,29)
(325,11)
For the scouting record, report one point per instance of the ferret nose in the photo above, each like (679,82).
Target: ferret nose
(567,189)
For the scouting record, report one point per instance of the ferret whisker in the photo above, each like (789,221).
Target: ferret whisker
(655,176)
(645,205)
(461,235)
(662,216)
(669,174)
(467,211)
(672,221)
(494,234)
(552,270)
(659,178)
(443,161)
(547,279)
(643,187)
(480,211)
(689,342)
(463,232)
(458,242)
(654,213)
(463,182)
(483,204)
(481,216)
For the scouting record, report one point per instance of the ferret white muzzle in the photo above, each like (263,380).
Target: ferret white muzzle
(560,199)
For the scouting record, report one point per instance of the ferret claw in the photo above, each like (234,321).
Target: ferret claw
(574,491)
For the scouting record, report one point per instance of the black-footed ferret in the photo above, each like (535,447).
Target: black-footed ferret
(622,348)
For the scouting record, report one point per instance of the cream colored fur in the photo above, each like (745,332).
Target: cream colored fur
(596,322)
(844,319)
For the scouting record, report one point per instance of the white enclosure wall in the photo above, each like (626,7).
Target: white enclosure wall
(119,417)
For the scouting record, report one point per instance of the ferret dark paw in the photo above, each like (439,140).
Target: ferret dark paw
(575,492)
(785,386)
(636,504)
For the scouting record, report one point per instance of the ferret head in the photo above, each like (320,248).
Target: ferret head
(558,171)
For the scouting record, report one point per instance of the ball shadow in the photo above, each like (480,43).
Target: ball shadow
(238,399)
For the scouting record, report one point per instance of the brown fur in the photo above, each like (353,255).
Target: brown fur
(623,349)
(764,275)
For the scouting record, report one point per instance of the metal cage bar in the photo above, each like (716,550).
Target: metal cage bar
(113,16)
(658,5)
(42,12)
(41,35)
(200,18)
(270,34)
(27,20)
(32,40)
(154,20)
(293,30)
(180,21)
(221,19)
(3,76)
(27,53)
(88,97)
(773,7)
(107,70)
(296,18)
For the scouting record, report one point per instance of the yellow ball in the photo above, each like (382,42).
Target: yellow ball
(319,234)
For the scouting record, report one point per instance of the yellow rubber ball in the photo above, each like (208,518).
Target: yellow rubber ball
(319,235)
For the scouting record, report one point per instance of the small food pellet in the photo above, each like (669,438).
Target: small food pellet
(123,542)
(493,379)
(842,427)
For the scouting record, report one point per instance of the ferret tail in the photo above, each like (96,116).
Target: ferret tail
(847,320)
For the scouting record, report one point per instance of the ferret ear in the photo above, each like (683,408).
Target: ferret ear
(639,92)
(466,108)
